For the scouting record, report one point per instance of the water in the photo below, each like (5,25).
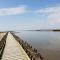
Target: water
(46,42)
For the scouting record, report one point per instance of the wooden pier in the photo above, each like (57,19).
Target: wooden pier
(11,48)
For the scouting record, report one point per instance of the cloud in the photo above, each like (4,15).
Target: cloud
(13,10)
(52,13)
(49,10)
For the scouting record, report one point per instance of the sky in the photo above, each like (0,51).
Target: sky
(29,14)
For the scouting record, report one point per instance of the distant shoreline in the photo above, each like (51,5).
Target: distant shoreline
(44,30)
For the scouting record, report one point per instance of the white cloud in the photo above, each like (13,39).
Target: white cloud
(49,10)
(52,13)
(12,11)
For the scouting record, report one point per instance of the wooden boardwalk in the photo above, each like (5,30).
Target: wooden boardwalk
(13,50)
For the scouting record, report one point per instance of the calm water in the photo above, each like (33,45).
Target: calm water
(47,43)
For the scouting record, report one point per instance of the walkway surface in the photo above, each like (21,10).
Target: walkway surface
(13,50)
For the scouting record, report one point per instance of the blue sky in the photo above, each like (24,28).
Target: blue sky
(29,14)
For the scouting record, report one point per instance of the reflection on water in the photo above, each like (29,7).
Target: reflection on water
(47,43)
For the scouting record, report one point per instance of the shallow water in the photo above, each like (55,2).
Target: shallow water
(46,42)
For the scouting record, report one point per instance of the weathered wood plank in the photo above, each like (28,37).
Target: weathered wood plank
(13,50)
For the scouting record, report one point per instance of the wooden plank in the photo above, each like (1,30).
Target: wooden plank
(13,50)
